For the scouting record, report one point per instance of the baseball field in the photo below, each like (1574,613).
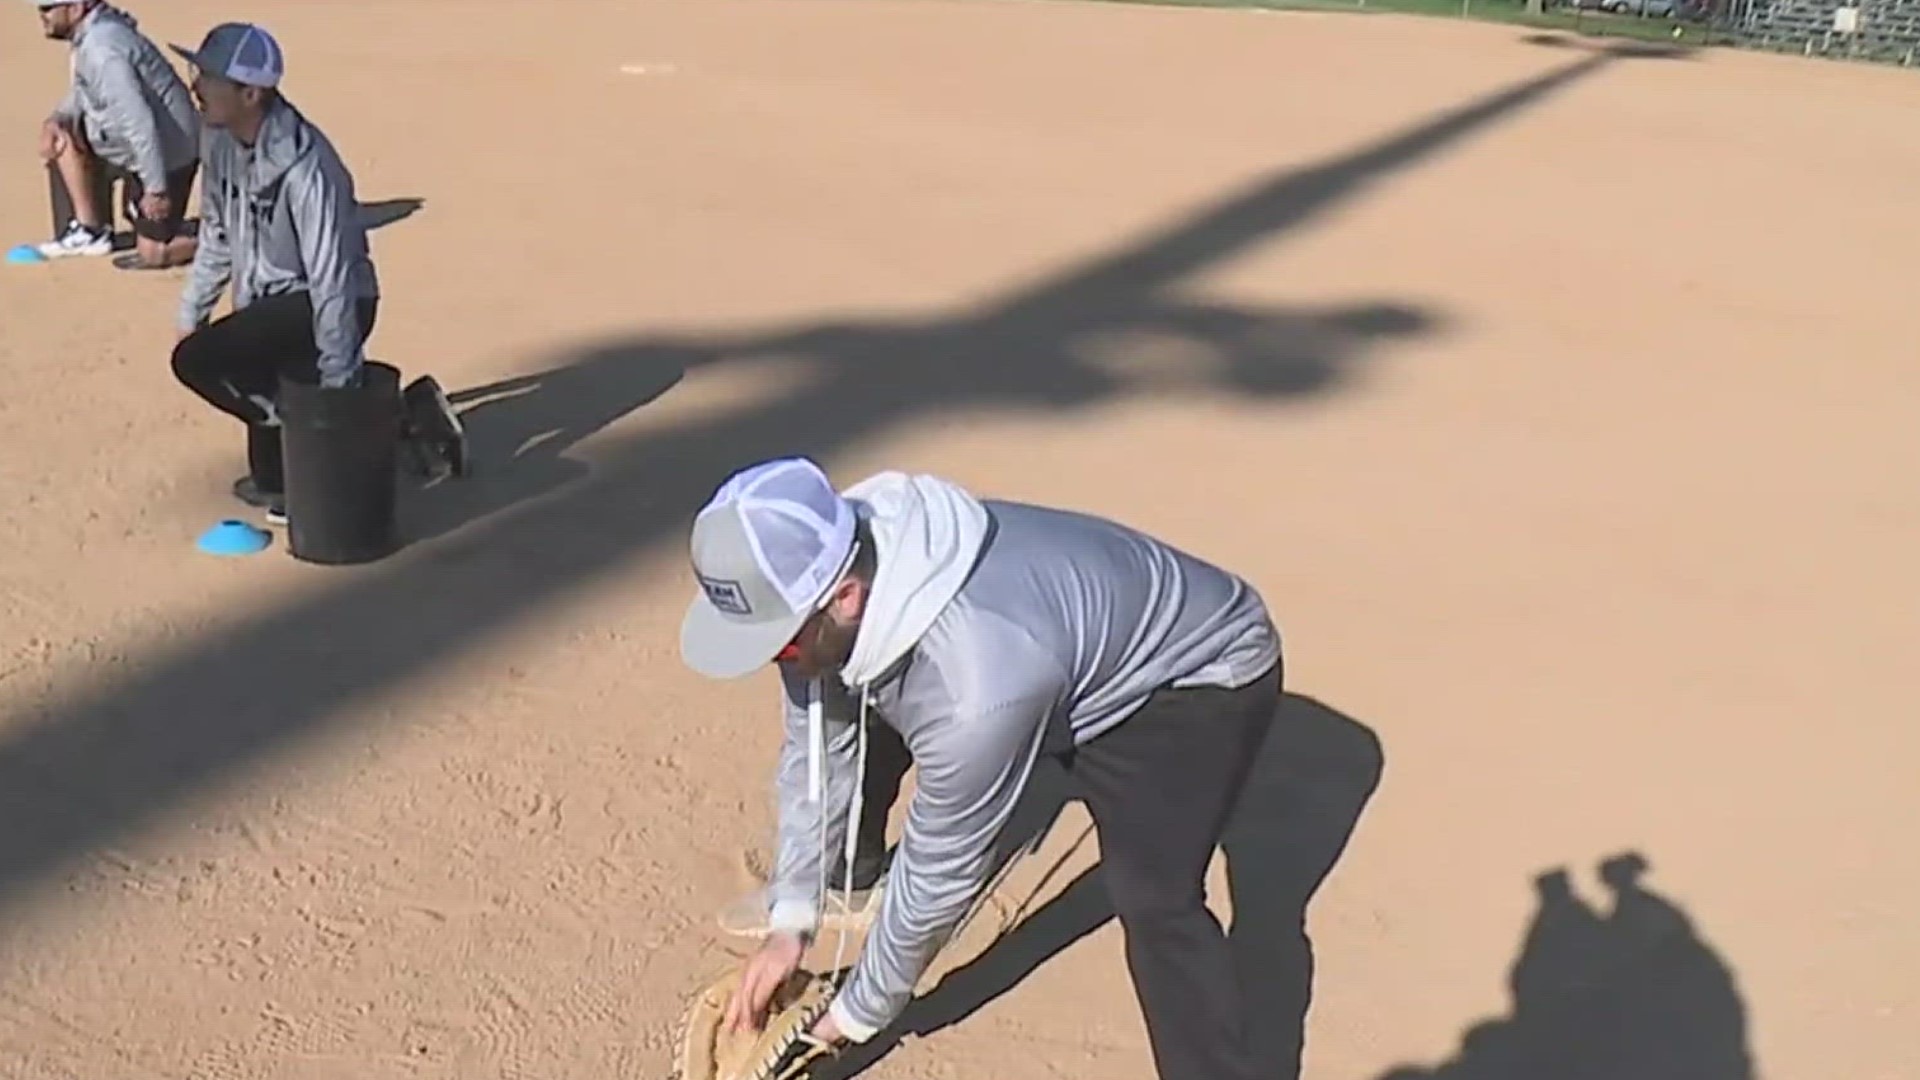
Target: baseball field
(1563,399)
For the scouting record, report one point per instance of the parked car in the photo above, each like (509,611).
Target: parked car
(1652,9)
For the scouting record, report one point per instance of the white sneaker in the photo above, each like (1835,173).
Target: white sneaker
(746,916)
(79,240)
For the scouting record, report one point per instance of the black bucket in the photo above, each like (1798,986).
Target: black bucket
(60,203)
(340,449)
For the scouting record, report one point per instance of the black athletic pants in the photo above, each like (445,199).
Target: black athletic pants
(1161,788)
(234,363)
(887,765)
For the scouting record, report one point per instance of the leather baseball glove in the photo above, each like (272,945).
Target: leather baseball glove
(784,1049)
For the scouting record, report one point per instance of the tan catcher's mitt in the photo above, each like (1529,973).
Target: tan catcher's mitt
(784,1049)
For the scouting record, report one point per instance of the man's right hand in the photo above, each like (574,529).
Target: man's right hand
(53,139)
(777,960)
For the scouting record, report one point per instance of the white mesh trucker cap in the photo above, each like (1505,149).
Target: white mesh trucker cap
(766,549)
(238,52)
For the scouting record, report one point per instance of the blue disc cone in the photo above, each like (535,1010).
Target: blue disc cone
(232,537)
(25,253)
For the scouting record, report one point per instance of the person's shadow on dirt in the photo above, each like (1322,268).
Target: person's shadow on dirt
(1303,799)
(520,429)
(1633,994)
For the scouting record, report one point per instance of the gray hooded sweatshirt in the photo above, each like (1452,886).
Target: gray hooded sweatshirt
(994,631)
(129,102)
(281,217)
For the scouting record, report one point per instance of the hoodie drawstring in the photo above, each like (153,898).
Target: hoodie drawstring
(816,784)
(816,741)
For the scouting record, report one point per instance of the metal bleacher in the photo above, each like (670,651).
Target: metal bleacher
(1887,31)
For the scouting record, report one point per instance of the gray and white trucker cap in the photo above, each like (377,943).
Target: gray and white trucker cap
(767,548)
(238,52)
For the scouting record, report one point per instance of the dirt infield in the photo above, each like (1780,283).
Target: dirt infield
(1562,404)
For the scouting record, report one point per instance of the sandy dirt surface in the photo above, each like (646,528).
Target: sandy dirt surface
(1563,405)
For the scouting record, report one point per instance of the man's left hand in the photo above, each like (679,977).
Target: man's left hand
(155,206)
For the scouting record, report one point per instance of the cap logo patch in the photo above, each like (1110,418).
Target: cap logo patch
(726,595)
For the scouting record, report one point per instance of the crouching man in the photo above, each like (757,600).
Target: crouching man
(126,117)
(280,223)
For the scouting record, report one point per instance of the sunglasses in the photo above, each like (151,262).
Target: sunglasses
(791,650)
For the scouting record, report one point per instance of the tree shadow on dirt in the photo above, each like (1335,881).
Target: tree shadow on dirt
(1115,326)
(86,763)
(1303,800)
(1597,38)
(875,375)
(1633,993)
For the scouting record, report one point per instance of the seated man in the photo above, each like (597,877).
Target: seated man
(278,219)
(127,116)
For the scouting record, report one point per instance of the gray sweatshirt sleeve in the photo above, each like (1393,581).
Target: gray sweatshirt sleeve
(128,114)
(972,766)
(793,889)
(213,259)
(68,111)
(322,209)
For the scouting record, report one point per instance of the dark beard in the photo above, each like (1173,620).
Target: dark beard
(833,645)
